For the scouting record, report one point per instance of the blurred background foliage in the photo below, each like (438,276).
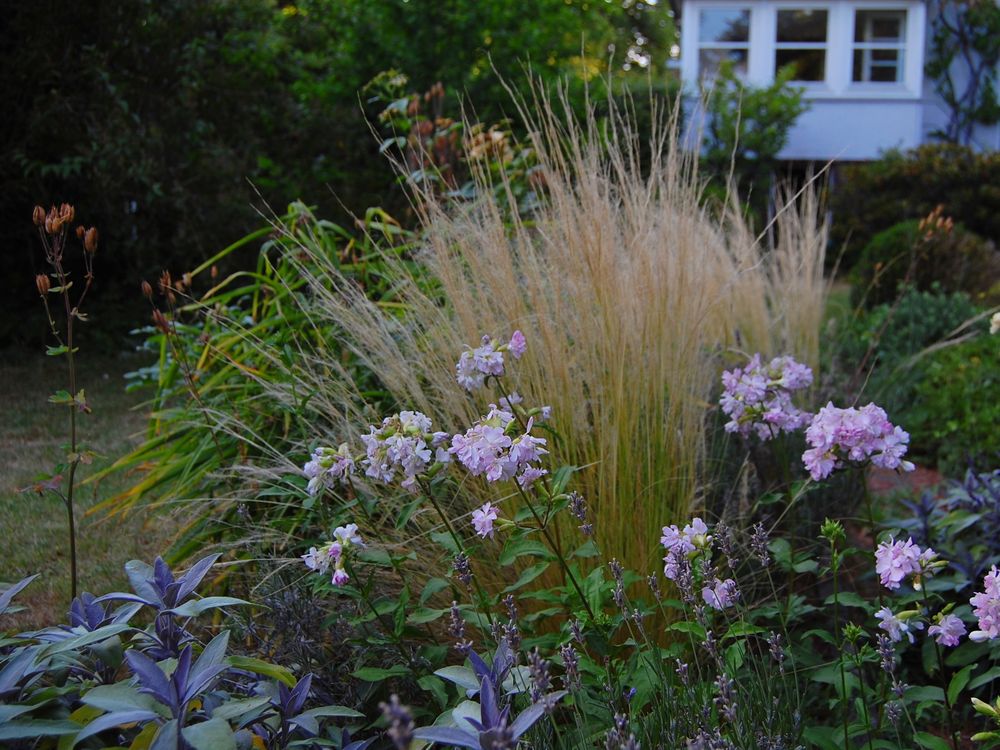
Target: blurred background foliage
(164,122)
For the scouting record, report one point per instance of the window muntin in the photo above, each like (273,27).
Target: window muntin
(723,35)
(879,46)
(801,41)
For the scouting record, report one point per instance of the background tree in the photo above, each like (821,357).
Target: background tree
(164,119)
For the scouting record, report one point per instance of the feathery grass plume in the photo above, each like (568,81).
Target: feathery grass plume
(628,288)
(626,283)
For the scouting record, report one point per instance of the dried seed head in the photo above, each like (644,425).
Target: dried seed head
(165,282)
(42,284)
(90,240)
(160,321)
(147,290)
(80,231)
(67,213)
(214,273)
(38,216)
(52,224)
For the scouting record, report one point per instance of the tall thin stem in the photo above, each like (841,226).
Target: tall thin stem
(74,458)
(944,682)
(834,563)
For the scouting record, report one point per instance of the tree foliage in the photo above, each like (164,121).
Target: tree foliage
(165,120)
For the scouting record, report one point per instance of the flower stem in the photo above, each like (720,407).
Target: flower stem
(834,564)
(944,682)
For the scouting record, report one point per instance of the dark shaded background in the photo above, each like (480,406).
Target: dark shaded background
(162,120)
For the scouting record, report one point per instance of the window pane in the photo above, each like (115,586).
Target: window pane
(802,26)
(879,25)
(878,65)
(809,64)
(709,61)
(724,25)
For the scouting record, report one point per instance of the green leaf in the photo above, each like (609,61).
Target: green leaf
(919,693)
(847,599)
(259,666)
(528,575)
(61,397)
(692,628)
(958,682)
(432,587)
(461,676)
(214,734)
(587,549)
(234,709)
(514,550)
(121,696)
(86,639)
(744,628)
(195,607)
(561,478)
(988,676)
(931,742)
(32,729)
(338,712)
(444,539)
(377,674)
(422,616)
(55,351)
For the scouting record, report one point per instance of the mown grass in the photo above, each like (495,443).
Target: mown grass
(33,527)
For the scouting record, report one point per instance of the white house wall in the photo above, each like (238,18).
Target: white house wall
(846,120)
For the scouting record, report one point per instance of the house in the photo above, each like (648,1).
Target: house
(860,62)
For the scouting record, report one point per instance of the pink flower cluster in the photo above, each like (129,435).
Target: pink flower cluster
(986,607)
(403,443)
(334,553)
(759,398)
(838,435)
(487,448)
(487,359)
(483,518)
(328,466)
(895,561)
(682,543)
(898,625)
(948,630)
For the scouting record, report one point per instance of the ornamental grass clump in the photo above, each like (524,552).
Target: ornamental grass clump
(627,283)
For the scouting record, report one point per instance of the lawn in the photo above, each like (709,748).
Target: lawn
(34,527)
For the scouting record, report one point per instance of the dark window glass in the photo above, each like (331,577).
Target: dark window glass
(877,66)
(802,26)
(879,25)
(809,64)
(709,61)
(724,25)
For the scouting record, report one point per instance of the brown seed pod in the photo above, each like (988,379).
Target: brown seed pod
(90,240)
(43,284)
(38,216)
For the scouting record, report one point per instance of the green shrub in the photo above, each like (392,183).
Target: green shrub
(956,408)
(896,332)
(927,253)
(893,354)
(746,128)
(869,198)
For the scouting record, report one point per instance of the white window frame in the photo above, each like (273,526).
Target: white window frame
(867,47)
(746,46)
(825,46)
